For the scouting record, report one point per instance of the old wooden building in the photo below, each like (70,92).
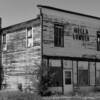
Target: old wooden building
(21,53)
(71,48)
(66,42)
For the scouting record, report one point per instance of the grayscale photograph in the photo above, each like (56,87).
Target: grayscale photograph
(49,50)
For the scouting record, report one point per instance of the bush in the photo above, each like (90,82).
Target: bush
(45,82)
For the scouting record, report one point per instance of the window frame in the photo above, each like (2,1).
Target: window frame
(86,82)
(4,42)
(83,69)
(66,77)
(97,82)
(29,37)
(97,78)
(98,42)
(61,40)
(55,70)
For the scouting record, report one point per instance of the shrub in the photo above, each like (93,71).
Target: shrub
(44,83)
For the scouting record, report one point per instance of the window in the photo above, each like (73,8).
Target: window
(55,72)
(83,77)
(98,41)
(98,77)
(97,73)
(4,42)
(83,73)
(67,77)
(58,35)
(29,37)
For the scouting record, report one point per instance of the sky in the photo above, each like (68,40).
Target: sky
(17,11)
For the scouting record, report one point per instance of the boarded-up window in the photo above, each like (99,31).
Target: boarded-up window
(58,35)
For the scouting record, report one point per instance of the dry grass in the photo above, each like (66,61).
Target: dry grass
(17,95)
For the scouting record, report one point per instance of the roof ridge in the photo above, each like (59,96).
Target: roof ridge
(67,11)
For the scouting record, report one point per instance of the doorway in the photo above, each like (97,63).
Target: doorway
(67,81)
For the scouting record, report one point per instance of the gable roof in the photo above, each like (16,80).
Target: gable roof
(21,26)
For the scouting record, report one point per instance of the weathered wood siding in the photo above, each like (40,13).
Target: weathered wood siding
(19,61)
(1,67)
(72,47)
